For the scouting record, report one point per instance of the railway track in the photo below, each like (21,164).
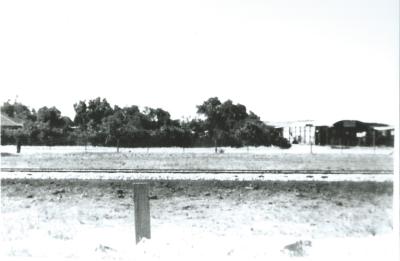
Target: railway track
(205,171)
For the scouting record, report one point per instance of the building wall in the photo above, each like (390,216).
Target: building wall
(300,134)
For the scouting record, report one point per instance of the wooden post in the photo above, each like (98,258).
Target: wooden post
(18,146)
(373,138)
(142,211)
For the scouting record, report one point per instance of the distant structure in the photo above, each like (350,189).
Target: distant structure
(8,123)
(352,133)
(303,131)
(341,133)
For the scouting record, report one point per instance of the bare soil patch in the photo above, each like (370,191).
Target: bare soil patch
(80,219)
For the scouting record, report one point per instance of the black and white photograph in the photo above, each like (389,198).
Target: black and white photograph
(199,130)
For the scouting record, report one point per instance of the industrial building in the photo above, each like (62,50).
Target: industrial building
(342,133)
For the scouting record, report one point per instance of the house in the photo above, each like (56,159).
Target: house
(9,123)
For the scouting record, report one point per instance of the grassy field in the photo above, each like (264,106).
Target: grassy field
(175,158)
(208,219)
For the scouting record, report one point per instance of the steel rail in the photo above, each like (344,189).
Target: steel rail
(207,171)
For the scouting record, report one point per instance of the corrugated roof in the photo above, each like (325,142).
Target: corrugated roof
(329,123)
(383,128)
(8,122)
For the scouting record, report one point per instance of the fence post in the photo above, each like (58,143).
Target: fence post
(142,211)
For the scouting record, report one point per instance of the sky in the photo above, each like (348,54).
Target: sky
(283,59)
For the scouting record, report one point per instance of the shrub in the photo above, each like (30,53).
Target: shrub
(282,143)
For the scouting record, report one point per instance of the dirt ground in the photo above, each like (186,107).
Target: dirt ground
(197,219)
(200,160)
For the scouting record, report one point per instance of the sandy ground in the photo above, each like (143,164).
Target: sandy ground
(252,220)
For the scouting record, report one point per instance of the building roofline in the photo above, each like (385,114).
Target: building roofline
(9,122)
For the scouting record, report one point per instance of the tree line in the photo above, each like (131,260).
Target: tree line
(97,123)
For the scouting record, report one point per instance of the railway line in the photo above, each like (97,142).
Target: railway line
(200,174)
(206,171)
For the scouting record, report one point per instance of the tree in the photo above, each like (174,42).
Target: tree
(232,115)
(81,114)
(51,116)
(97,110)
(115,126)
(14,136)
(81,120)
(124,126)
(47,126)
(254,133)
(211,109)
(52,127)
(89,118)
(8,109)
(156,118)
(230,124)
(18,110)
(223,120)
